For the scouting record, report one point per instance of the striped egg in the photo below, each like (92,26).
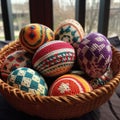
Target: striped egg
(34,35)
(94,54)
(54,58)
(69,84)
(70,31)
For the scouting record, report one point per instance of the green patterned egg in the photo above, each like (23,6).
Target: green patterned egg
(28,80)
(70,31)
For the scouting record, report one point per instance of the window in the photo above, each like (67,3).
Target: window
(2,37)
(114,19)
(63,9)
(92,14)
(20,11)
(52,14)
(13,15)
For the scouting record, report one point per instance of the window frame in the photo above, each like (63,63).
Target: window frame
(41,11)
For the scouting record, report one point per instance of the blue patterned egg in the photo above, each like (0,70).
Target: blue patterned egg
(28,80)
(94,54)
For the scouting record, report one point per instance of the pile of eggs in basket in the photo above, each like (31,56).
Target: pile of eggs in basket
(59,62)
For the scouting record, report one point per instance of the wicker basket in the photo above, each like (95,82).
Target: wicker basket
(60,107)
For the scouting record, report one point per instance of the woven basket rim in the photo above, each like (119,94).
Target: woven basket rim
(96,92)
(67,98)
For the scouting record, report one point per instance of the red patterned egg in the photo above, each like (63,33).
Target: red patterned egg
(70,31)
(54,58)
(34,35)
(17,59)
(69,84)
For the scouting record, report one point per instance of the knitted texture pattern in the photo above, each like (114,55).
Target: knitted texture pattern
(70,31)
(54,58)
(59,107)
(28,80)
(94,54)
(102,80)
(17,59)
(69,84)
(34,35)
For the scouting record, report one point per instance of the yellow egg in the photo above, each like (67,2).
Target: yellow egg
(34,35)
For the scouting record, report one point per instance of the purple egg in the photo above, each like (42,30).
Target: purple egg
(94,54)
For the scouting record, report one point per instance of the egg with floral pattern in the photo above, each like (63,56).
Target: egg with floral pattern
(69,84)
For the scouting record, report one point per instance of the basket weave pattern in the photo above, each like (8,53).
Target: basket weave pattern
(58,107)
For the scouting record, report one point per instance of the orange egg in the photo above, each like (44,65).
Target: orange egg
(34,35)
(69,84)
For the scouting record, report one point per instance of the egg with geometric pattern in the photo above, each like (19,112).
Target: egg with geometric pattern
(54,58)
(102,80)
(33,35)
(70,30)
(94,54)
(16,59)
(28,80)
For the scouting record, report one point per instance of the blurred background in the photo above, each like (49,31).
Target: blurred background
(64,9)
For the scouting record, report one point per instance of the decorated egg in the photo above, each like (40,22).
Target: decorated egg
(94,54)
(102,80)
(81,73)
(34,35)
(69,84)
(17,59)
(54,58)
(70,31)
(28,80)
